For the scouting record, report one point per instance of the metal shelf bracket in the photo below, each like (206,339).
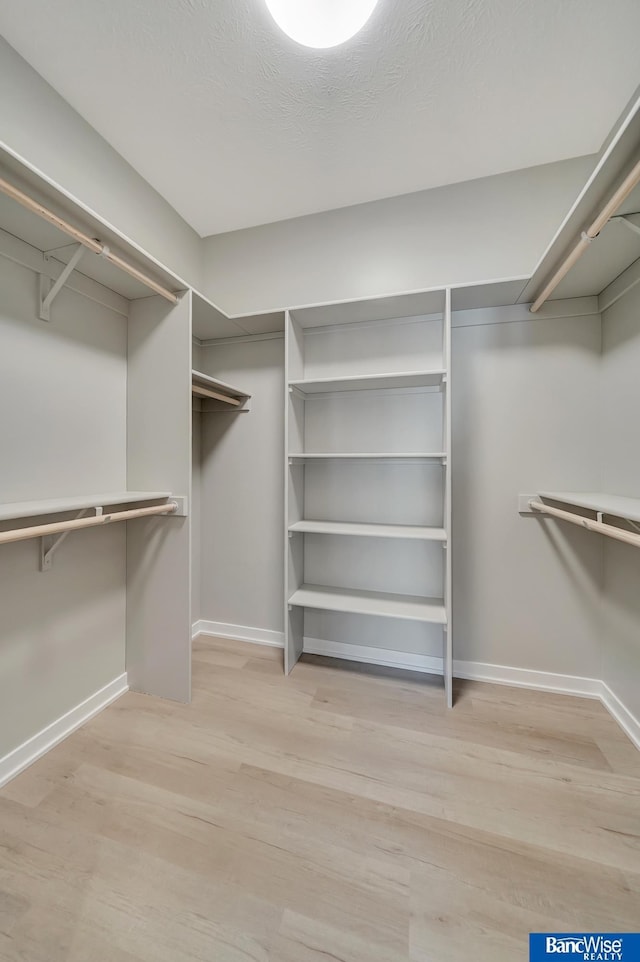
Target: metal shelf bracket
(626,220)
(50,543)
(49,292)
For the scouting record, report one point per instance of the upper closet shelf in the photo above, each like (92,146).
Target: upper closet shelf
(408,531)
(209,388)
(32,509)
(370,382)
(381,603)
(611,504)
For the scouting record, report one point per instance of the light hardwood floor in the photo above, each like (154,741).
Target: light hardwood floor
(340,814)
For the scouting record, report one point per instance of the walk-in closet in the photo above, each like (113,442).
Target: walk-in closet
(319,482)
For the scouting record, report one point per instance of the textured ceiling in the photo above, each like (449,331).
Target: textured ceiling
(236,125)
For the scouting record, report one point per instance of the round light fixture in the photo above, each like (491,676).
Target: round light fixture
(321,23)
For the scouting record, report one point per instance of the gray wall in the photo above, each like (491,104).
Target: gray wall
(242,486)
(621,467)
(63,389)
(492,228)
(526,416)
(37,124)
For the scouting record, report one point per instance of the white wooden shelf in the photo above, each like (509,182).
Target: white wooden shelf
(410,607)
(211,388)
(370,382)
(375,456)
(615,505)
(32,509)
(407,531)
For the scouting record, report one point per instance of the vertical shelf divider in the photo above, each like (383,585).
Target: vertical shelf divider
(293,493)
(159,451)
(448,635)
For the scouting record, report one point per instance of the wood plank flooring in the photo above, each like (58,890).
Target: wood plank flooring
(339,814)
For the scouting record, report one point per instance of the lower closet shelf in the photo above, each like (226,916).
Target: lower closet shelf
(410,607)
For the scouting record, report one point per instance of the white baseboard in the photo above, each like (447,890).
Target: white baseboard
(257,636)
(628,722)
(525,678)
(373,656)
(478,671)
(27,753)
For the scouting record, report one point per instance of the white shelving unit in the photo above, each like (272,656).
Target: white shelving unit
(368,494)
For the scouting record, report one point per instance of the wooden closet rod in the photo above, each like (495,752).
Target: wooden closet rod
(96,246)
(597,526)
(631,180)
(58,527)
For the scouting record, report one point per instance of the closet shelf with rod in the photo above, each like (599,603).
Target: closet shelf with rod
(369,382)
(210,389)
(617,507)
(84,241)
(380,603)
(407,531)
(611,504)
(18,510)
(593,231)
(13,510)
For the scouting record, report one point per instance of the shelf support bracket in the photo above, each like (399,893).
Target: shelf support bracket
(626,220)
(48,293)
(50,544)
(523,503)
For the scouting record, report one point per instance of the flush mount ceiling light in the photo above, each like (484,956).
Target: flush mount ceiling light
(321,23)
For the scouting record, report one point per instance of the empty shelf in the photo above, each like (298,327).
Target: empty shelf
(409,531)
(210,387)
(410,607)
(370,382)
(32,509)
(374,456)
(613,504)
